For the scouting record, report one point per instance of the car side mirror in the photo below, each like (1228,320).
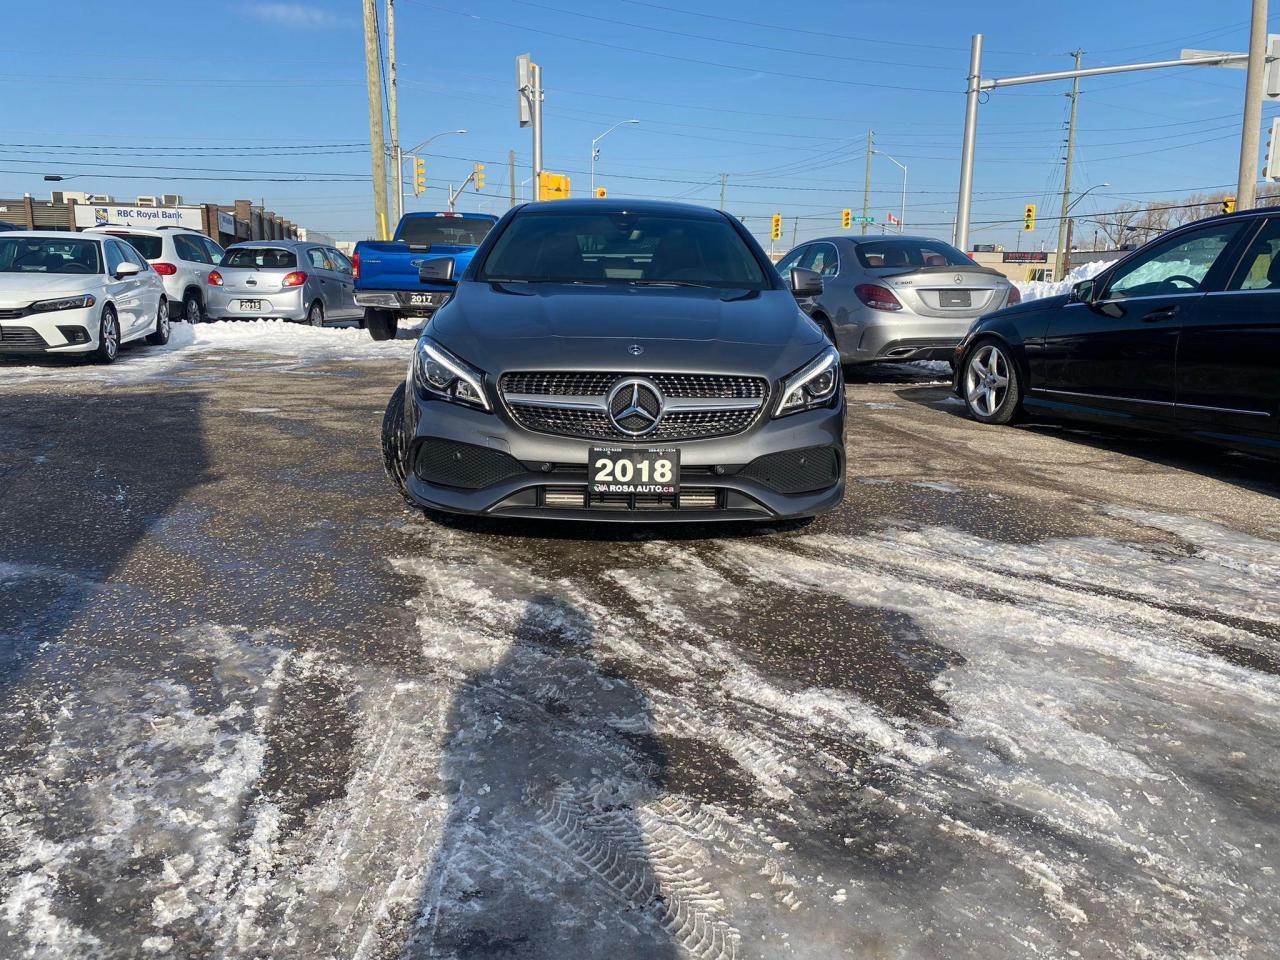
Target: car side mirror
(127,269)
(805,283)
(439,270)
(1083,292)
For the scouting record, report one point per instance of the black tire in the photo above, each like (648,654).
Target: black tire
(108,336)
(160,336)
(991,385)
(315,314)
(395,444)
(380,323)
(192,307)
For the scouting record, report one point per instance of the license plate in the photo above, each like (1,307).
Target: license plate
(250,304)
(619,470)
(954,298)
(419,299)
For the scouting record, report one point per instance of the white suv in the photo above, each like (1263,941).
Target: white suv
(182,257)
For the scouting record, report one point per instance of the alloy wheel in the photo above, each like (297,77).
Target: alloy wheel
(986,380)
(110,334)
(162,319)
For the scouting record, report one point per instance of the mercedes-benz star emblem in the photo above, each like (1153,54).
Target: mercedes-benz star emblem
(958,278)
(635,349)
(635,406)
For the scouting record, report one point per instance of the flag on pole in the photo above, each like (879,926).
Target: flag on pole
(893,221)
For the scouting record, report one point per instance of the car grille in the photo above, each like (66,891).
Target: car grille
(20,337)
(575,404)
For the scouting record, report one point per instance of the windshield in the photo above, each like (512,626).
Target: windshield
(624,247)
(270,258)
(149,247)
(905,254)
(453,231)
(48,255)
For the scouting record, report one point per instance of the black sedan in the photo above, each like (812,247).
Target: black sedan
(620,361)
(1180,336)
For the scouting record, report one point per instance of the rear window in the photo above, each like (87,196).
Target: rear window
(261,257)
(149,247)
(908,254)
(453,231)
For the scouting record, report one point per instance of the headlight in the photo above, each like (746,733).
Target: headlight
(438,372)
(813,385)
(64,303)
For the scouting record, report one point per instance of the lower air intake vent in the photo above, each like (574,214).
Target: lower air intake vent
(796,471)
(450,464)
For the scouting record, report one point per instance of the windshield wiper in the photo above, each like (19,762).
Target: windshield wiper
(671,283)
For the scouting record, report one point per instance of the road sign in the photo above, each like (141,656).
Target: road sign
(864,219)
(1029,218)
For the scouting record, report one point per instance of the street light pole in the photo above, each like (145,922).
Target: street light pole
(400,158)
(902,222)
(596,153)
(1247,185)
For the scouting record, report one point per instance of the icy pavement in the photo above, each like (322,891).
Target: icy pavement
(257,710)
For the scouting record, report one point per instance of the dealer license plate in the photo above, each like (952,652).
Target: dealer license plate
(620,470)
(954,298)
(419,299)
(250,304)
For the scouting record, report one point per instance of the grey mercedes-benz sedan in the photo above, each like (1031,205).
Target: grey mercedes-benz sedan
(623,361)
(896,298)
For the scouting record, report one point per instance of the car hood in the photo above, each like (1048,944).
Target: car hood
(513,326)
(20,289)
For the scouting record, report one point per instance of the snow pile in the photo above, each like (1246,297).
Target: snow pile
(1037,289)
(291,339)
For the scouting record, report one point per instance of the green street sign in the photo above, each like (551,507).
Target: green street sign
(864,219)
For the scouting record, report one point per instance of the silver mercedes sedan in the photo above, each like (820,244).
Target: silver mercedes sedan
(896,298)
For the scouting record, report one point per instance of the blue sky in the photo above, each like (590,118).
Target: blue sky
(250,94)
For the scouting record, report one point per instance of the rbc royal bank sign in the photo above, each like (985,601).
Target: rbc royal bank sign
(113,215)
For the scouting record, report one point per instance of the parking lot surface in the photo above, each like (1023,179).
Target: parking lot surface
(1017,697)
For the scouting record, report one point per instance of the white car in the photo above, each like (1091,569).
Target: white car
(182,257)
(77,293)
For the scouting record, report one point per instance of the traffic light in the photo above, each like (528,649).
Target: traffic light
(419,175)
(1228,204)
(600,193)
(479,176)
(846,218)
(775,233)
(1271,166)
(1029,217)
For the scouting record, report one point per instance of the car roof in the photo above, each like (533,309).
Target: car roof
(595,205)
(145,231)
(56,234)
(910,238)
(287,244)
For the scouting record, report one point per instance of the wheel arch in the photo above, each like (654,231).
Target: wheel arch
(1006,337)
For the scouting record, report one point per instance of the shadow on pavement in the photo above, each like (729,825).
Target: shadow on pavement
(548,758)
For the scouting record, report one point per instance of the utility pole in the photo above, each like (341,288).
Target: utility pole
(866,183)
(1247,186)
(393,109)
(960,235)
(537,131)
(1064,234)
(511,174)
(377,137)
(723,178)
(795,229)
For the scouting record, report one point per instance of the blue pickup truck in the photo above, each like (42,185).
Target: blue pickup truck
(388,280)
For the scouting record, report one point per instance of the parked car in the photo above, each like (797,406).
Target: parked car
(896,298)
(181,257)
(1182,335)
(389,283)
(285,279)
(77,294)
(620,361)
(6,225)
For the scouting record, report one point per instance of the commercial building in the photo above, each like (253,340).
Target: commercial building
(224,223)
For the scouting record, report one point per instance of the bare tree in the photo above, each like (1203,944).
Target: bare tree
(1116,224)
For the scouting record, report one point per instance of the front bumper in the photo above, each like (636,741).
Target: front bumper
(401,301)
(54,331)
(223,304)
(791,467)
(877,336)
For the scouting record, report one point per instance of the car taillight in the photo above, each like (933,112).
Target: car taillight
(215,278)
(295,279)
(877,297)
(355,265)
(1015,296)
(164,269)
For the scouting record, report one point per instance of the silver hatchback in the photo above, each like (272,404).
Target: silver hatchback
(896,298)
(288,279)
